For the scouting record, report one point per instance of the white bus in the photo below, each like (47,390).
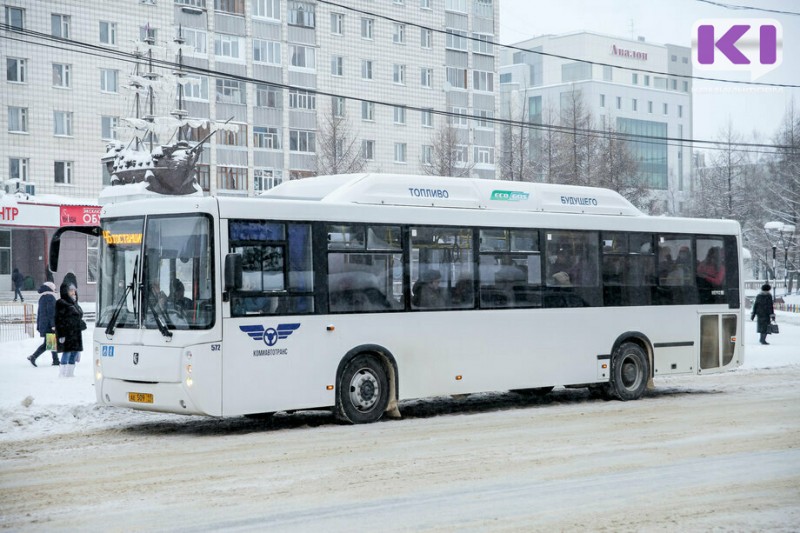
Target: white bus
(356,292)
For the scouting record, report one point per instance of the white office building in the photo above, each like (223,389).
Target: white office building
(408,58)
(545,73)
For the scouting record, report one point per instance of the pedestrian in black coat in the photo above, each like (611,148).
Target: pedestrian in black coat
(69,328)
(19,280)
(763,309)
(46,319)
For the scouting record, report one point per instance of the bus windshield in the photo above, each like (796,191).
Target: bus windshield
(169,267)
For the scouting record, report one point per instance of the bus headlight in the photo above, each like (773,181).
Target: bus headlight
(189,381)
(188,369)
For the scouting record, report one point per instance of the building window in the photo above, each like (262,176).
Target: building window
(634,104)
(109,80)
(367,111)
(482,43)
(685,86)
(666,109)
(195,135)
(457,77)
(108,128)
(230,92)
(456,40)
(147,34)
(366,69)
(400,152)
(337,23)
(399,115)
(649,106)
(456,5)
(196,88)
(234,7)
(399,74)
(680,111)
(18,119)
(619,102)
(232,178)
(338,106)
(203,173)
(483,81)
(368,150)
(108,33)
(673,84)
(265,179)
(18,168)
(62,172)
(337,66)
(16,70)
(228,46)
(268,96)
(607,74)
(62,123)
(302,141)
(302,56)
(685,60)
(635,78)
(399,34)
(15,18)
(602,100)
(301,14)
(62,75)
(59,25)
(484,119)
(426,154)
(483,8)
(367,28)
(266,52)
(426,77)
(269,138)
(461,154)
(647,80)
(457,116)
(426,117)
(299,99)
(484,155)
(231,137)
(424,4)
(267,9)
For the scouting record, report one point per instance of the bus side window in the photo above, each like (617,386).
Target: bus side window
(442,271)
(509,269)
(676,271)
(573,269)
(711,270)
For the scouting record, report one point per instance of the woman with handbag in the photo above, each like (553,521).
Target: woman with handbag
(69,326)
(46,322)
(763,309)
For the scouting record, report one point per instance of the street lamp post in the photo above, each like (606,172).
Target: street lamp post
(778,231)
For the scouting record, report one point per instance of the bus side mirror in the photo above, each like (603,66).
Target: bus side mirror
(233,272)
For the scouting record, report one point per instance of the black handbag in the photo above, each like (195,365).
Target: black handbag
(773,327)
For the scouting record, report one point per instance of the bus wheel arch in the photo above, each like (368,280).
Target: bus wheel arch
(631,371)
(379,365)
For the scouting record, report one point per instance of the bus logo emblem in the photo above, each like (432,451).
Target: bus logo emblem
(270,336)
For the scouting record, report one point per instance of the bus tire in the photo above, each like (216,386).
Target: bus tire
(630,371)
(363,391)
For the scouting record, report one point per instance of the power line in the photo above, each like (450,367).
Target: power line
(557,56)
(749,8)
(137,58)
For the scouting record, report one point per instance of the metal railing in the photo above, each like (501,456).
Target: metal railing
(17,321)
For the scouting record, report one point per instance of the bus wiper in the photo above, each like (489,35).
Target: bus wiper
(112,323)
(155,307)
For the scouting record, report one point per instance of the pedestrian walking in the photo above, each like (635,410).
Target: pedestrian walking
(19,280)
(70,279)
(69,328)
(46,320)
(763,309)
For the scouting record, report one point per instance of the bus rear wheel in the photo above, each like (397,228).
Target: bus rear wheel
(630,370)
(363,391)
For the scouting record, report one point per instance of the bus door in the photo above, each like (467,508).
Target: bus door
(718,339)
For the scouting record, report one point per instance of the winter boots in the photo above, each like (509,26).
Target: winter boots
(32,359)
(66,371)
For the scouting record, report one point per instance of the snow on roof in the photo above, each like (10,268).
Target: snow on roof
(465,193)
(44,199)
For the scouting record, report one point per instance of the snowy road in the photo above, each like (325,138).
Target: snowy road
(696,453)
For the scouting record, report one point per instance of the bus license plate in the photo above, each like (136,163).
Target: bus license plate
(140,397)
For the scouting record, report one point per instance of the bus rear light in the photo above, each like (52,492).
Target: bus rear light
(98,376)
(458,377)
(97,363)
(604,365)
(329,387)
(733,339)
(189,382)
(188,355)
(188,369)
(330,327)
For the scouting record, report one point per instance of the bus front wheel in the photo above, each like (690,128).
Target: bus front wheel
(630,370)
(363,391)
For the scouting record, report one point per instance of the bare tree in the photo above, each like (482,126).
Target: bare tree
(578,144)
(515,162)
(616,168)
(338,150)
(449,152)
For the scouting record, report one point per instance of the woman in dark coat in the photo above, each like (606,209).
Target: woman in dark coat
(762,308)
(69,325)
(19,280)
(46,319)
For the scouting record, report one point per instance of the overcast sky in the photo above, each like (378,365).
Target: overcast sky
(671,21)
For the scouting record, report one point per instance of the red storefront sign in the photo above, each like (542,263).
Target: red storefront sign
(80,215)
